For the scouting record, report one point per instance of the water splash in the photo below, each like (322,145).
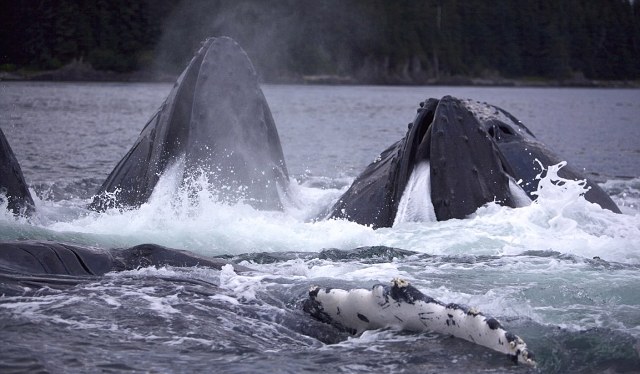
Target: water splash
(560,219)
(190,215)
(415,204)
(194,219)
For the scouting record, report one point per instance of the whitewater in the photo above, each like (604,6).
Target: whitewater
(560,272)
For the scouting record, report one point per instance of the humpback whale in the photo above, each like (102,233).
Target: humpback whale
(12,184)
(401,305)
(216,119)
(475,153)
(32,265)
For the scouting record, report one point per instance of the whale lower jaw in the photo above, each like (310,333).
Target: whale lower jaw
(402,306)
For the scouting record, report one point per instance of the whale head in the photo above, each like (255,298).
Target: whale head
(475,154)
(216,122)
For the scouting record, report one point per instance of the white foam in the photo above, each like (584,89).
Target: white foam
(193,218)
(44,309)
(6,215)
(243,287)
(560,219)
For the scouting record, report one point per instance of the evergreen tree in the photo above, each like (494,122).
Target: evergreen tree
(378,41)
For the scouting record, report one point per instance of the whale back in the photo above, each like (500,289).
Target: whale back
(36,264)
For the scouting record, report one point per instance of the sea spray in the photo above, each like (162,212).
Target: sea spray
(560,219)
(188,215)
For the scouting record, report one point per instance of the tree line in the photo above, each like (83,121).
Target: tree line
(374,41)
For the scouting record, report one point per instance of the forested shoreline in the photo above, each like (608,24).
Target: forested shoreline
(351,41)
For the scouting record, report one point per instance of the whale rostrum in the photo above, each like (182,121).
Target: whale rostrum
(216,119)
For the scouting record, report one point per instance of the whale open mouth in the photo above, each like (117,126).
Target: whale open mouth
(466,170)
(474,153)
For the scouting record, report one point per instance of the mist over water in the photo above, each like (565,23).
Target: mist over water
(562,273)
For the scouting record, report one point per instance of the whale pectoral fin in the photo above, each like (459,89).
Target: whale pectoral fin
(406,308)
(466,170)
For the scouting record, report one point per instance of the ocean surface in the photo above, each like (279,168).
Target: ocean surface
(562,273)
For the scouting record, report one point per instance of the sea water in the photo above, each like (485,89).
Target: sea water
(561,272)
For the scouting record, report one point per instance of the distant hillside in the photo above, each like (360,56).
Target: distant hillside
(365,41)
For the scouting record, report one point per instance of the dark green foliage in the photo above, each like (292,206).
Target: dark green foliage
(378,41)
(110,34)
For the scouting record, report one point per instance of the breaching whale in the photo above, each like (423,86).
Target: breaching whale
(12,184)
(216,119)
(475,153)
(400,305)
